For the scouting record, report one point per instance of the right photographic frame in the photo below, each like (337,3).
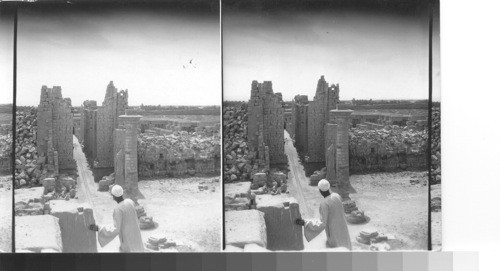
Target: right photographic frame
(331,120)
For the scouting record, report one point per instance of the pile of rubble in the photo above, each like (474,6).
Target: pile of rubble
(238,161)
(436,146)
(376,241)
(145,222)
(28,164)
(155,243)
(5,152)
(390,148)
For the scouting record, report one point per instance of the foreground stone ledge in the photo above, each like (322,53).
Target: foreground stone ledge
(245,227)
(38,234)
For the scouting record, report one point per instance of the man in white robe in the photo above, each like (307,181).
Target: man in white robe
(332,220)
(125,225)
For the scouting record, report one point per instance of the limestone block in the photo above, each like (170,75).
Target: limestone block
(49,184)
(259,179)
(25,195)
(281,211)
(237,196)
(245,227)
(74,220)
(38,233)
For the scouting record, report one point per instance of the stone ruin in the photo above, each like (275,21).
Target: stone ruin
(266,124)
(98,124)
(337,152)
(125,153)
(310,118)
(113,106)
(299,120)
(55,131)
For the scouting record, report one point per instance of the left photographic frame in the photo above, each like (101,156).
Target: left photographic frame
(7,17)
(120,108)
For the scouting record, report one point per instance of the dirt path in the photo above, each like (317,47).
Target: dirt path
(394,205)
(101,202)
(5,213)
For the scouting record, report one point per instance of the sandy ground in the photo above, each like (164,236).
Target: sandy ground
(185,214)
(5,214)
(393,205)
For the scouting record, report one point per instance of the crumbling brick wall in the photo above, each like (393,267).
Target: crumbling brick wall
(114,105)
(55,130)
(266,123)
(389,149)
(178,154)
(326,99)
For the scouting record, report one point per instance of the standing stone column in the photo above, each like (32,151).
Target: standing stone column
(130,123)
(342,119)
(331,153)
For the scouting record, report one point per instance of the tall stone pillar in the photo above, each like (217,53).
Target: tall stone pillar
(331,153)
(130,123)
(342,119)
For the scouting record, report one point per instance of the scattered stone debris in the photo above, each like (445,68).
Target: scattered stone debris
(155,243)
(436,146)
(145,222)
(239,162)
(317,176)
(376,241)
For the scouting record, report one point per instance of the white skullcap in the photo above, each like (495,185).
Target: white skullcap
(324,185)
(117,191)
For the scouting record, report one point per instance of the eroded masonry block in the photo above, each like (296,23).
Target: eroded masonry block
(29,201)
(281,211)
(245,227)
(126,163)
(343,121)
(74,220)
(237,196)
(325,99)
(113,106)
(266,122)
(38,233)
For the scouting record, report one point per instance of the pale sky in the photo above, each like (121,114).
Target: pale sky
(370,55)
(162,56)
(6,58)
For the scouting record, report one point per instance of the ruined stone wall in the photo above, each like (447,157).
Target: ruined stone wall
(114,105)
(326,99)
(390,149)
(266,123)
(178,154)
(300,109)
(125,154)
(55,130)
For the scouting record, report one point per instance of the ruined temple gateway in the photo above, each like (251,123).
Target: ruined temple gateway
(98,126)
(55,130)
(266,124)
